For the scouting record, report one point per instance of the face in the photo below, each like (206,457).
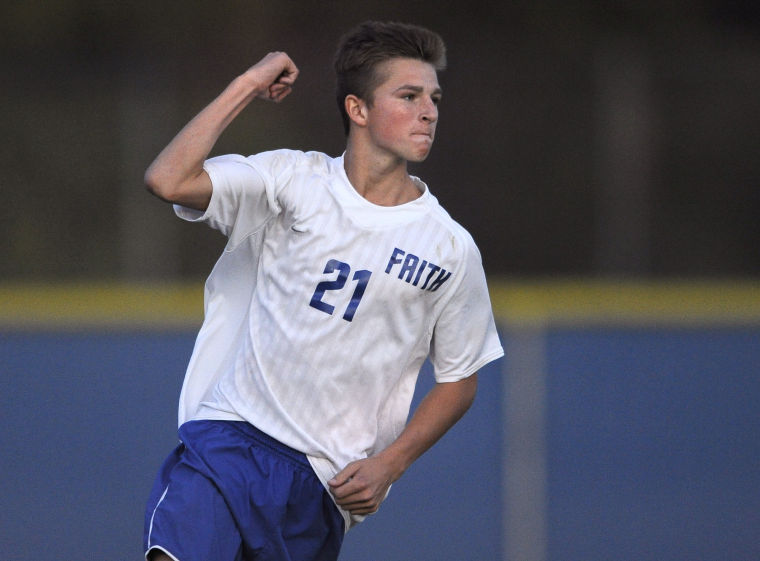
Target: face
(402,117)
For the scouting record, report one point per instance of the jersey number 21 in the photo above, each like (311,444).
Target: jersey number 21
(361,278)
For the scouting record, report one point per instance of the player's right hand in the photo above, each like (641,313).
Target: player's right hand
(273,76)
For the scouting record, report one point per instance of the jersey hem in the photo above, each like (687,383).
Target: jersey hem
(322,472)
(470,371)
(162,550)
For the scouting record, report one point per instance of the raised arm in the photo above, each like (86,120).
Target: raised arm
(362,485)
(177,174)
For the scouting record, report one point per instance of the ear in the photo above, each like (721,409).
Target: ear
(356,109)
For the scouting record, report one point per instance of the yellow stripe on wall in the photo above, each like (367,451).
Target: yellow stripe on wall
(686,302)
(95,305)
(515,302)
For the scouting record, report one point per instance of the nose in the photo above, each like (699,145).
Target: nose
(429,112)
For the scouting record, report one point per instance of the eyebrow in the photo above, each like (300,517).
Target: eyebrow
(418,89)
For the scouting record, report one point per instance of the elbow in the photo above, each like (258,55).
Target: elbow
(151,184)
(158,186)
(470,390)
(192,192)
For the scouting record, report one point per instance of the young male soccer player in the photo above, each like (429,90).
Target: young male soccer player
(340,276)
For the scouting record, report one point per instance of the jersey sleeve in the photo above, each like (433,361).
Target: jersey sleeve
(465,337)
(244,194)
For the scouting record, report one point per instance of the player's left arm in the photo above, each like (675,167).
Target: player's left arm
(362,485)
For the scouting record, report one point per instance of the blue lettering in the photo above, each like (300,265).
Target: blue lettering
(419,272)
(395,259)
(410,264)
(433,269)
(412,270)
(442,278)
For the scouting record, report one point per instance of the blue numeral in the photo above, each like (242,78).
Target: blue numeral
(337,284)
(362,278)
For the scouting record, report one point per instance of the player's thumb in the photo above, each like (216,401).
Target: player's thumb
(343,476)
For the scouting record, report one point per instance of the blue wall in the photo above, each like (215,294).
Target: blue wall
(87,418)
(653,441)
(654,444)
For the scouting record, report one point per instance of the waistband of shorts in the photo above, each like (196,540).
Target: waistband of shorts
(263,439)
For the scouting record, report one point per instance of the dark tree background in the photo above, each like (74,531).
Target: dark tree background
(574,139)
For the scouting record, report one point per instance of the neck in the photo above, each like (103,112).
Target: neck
(381,179)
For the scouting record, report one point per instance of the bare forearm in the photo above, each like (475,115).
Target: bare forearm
(362,485)
(441,408)
(177,173)
(181,162)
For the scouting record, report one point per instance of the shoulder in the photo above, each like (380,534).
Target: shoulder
(282,160)
(459,236)
(294,177)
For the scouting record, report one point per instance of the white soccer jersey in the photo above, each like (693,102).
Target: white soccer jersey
(323,307)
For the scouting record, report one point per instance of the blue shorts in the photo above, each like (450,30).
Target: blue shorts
(229,492)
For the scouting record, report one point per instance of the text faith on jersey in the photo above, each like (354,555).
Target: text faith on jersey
(412,270)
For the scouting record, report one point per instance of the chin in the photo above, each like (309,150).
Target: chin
(418,156)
